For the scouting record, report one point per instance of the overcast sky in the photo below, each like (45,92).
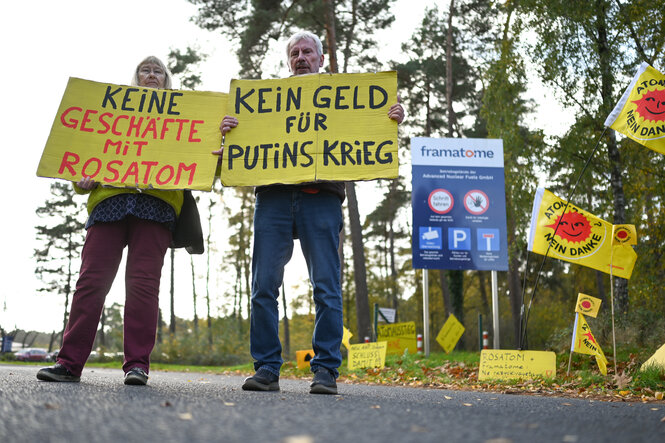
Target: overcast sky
(44,42)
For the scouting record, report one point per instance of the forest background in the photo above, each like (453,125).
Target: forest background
(466,70)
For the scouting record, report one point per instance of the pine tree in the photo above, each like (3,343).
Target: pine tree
(61,237)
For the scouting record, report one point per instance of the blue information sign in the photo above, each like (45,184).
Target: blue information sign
(459,204)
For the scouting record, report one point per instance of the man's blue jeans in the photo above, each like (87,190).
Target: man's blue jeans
(316,220)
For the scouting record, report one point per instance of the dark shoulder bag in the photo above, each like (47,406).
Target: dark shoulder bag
(188,233)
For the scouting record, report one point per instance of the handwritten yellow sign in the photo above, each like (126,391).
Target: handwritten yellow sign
(367,355)
(399,336)
(506,364)
(303,358)
(311,127)
(450,333)
(128,136)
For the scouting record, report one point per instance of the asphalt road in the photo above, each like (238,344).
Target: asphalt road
(193,407)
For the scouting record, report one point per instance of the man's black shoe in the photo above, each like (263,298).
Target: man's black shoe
(136,376)
(323,383)
(263,380)
(56,372)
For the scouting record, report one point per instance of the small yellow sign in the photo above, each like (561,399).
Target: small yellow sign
(368,355)
(399,336)
(450,333)
(624,235)
(303,358)
(503,364)
(587,305)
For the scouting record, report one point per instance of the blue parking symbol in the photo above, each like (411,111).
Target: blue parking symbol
(488,240)
(459,239)
(430,238)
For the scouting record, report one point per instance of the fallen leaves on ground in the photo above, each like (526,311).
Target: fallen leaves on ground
(460,376)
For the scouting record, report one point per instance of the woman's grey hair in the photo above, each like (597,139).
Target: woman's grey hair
(152,59)
(302,35)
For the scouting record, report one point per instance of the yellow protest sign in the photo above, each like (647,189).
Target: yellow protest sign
(587,305)
(657,359)
(399,336)
(303,358)
(639,113)
(450,333)
(311,127)
(506,364)
(346,337)
(576,236)
(624,235)
(585,343)
(127,136)
(367,355)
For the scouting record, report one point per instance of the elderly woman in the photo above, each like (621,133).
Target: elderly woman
(119,217)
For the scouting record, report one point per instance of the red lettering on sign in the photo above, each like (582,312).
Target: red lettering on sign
(73,123)
(69,159)
(193,131)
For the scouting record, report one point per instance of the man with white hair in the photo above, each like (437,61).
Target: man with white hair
(311,212)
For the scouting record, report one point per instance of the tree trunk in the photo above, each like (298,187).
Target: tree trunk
(172,292)
(331,38)
(482,288)
(514,283)
(211,204)
(616,167)
(196,318)
(360,276)
(456,278)
(287,335)
(445,292)
(394,289)
(160,325)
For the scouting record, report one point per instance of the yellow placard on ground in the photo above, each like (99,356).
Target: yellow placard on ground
(303,358)
(399,336)
(658,358)
(587,305)
(500,364)
(450,333)
(367,355)
(129,136)
(332,127)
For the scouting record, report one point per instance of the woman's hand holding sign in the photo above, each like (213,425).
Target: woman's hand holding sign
(86,183)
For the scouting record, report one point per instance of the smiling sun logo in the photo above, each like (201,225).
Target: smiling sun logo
(574,227)
(652,105)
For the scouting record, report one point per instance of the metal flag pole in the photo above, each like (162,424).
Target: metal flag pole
(495,308)
(426,312)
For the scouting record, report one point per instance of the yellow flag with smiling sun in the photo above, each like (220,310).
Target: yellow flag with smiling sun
(576,236)
(640,113)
